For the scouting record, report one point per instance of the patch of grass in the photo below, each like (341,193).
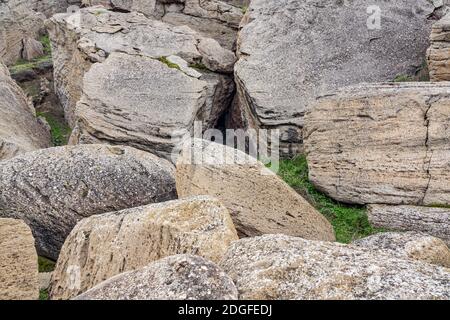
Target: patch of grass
(45,265)
(438,205)
(350,222)
(244,9)
(43,295)
(60,132)
(403,78)
(198,66)
(45,40)
(168,63)
(24,65)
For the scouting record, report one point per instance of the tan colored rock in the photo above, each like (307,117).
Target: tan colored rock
(259,201)
(382,143)
(45,280)
(432,221)
(106,245)
(412,245)
(18,262)
(274,267)
(438,55)
(178,277)
(32,49)
(20,130)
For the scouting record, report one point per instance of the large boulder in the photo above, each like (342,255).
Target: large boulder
(52,189)
(412,245)
(283,267)
(18,261)
(432,221)
(438,54)
(179,277)
(142,102)
(292,51)
(20,130)
(132,238)
(382,143)
(258,200)
(18,22)
(212,18)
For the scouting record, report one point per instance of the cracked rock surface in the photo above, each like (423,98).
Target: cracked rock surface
(438,54)
(179,277)
(105,245)
(283,267)
(382,143)
(52,189)
(20,130)
(292,51)
(432,221)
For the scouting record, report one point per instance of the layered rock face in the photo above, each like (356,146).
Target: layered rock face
(433,221)
(258,200)
(212,18)
(382,143)
(292,51)
(146,108)
(18,261)
(282,267)
(179,277)
(20,130)
(52,189)
(438,54)
(412,245)
(130,239)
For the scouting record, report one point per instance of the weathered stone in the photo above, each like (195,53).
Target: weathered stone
(45,279)
(142,102)
(293,51)
(438,54)
(259,201)
(179,277)
(32,49)
(18,262)
(413,245)
(282,267)
(20,130)
(432,221)
(92,34)
(382,143)
(130,239)
(52,189)
(212,18)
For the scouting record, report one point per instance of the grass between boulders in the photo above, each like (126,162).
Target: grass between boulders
(60,132)
(24,65)
(350,222)
(45,265)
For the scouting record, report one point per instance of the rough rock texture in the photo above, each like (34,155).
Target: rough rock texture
(50,7)
(293,51)
(100,33)
(103,246)
(52,189)
(432,221)
(413,245)
(212,18)
(179,277)
(382,143)
(438,54)
(32,49)
(141,102)
(17,22)
(18,261)
(282,267)
(20,130)
(45,279)
(258,200)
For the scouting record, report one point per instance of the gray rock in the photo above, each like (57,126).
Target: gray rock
(32,49)
(92,34)
(382,143)
(142,102)
(412,245)
(180,277)
(432,221)
(45,280)
(18,261)
(293,51)
(52,189)
(132,238)
(282,267)
(20,130)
